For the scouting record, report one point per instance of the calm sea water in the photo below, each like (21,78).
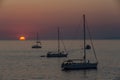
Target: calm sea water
(18,61)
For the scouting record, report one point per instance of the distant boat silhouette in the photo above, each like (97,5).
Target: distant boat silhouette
(81,64)
(58,53)
(38,43)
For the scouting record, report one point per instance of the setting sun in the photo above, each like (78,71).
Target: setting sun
(22,38)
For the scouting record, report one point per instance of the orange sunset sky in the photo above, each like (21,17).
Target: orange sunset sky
(26,17)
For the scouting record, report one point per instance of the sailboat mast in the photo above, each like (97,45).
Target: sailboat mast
(37,38)
(84,37)
(58,40)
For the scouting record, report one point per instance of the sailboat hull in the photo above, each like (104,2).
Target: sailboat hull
(36,46)
(56,55)
(79,66)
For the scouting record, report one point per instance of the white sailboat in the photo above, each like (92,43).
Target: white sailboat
(38,43)
(81,64)
(59,53)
